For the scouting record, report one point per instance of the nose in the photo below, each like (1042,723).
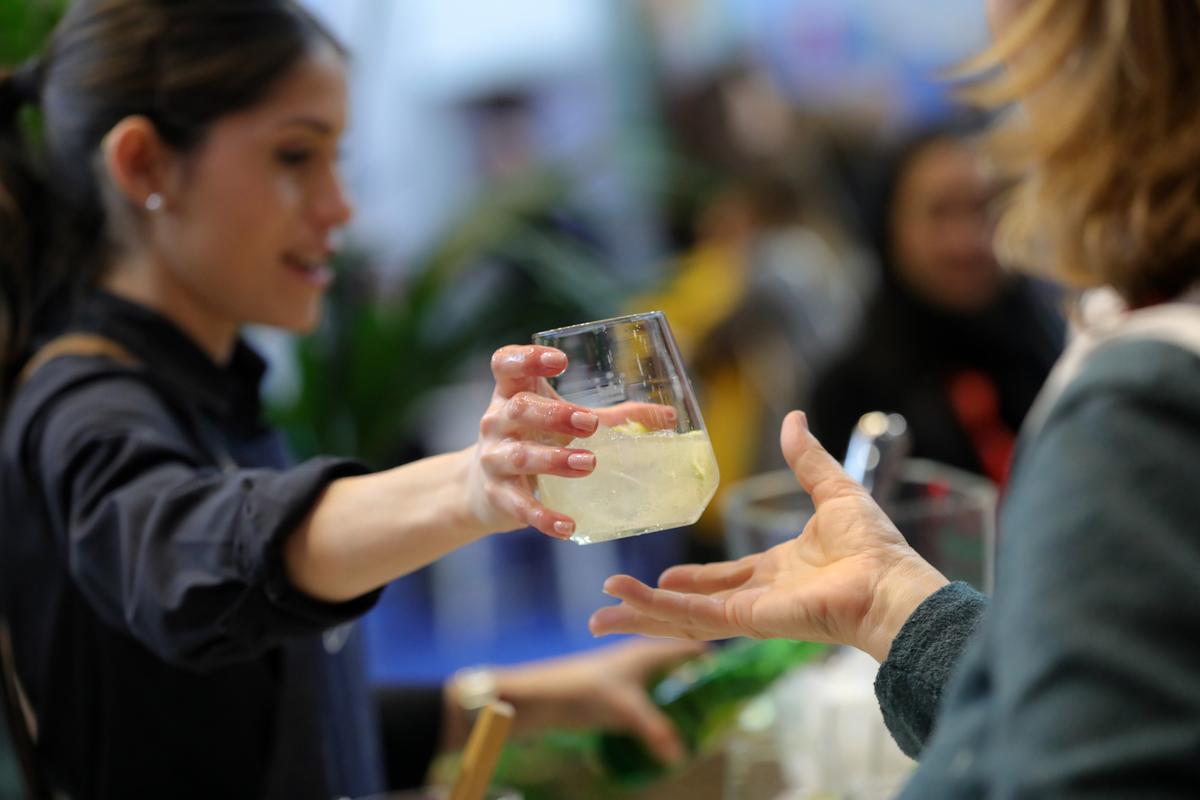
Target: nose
(333,208)
(968,235)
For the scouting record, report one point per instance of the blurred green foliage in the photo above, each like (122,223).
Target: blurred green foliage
(24,26)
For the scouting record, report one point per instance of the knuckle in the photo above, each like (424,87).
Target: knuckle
(512,411)
(490,461)
(490,424)
(517,456)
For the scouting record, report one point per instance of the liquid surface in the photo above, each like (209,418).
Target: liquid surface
(643,482)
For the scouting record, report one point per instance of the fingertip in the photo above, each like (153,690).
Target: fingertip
(666,744)
(670,573)
(582,461)
(605,621)
(585,422)
(554,360)
(595,625)
(612,584)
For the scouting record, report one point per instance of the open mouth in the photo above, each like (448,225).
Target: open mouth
(314,271)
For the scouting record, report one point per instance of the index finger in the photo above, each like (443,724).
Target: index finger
(516,368)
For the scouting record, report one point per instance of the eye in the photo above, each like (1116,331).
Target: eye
(293,157)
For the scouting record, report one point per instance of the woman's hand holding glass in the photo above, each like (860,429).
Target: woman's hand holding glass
(849,578)
(520,437)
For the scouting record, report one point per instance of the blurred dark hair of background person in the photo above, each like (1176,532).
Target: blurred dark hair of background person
(952,340)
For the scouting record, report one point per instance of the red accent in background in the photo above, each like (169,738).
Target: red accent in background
(976,404)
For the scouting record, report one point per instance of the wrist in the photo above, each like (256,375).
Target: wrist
(904,586)
(459,507)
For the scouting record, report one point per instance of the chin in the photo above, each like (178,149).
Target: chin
(299,321)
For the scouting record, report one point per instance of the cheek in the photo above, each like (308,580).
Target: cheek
(243,223)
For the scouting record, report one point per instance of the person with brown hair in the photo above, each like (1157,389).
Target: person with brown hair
(1081,677)
(178,594)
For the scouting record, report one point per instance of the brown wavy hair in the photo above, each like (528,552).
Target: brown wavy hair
(1105,144)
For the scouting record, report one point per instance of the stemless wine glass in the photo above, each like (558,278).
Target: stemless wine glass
(655,467)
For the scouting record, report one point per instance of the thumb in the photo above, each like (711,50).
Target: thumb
(817,472)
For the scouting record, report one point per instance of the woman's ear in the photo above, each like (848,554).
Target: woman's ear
(137,160)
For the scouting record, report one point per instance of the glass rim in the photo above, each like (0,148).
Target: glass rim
(581,327)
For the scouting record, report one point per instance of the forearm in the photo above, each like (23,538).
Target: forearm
(366,531)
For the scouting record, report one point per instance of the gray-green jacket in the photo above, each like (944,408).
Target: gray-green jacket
(1083,677)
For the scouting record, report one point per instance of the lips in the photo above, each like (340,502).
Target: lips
(313,271)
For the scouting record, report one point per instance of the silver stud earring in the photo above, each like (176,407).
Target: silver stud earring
(154,201)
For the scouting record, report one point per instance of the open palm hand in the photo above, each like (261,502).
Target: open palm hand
(849,578)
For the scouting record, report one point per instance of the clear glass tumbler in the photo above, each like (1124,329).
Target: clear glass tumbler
(655,467)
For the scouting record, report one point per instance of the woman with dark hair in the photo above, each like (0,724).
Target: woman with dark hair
(952,340)
(177,593)
(1081,676)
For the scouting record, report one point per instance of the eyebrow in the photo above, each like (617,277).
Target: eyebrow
(318,125)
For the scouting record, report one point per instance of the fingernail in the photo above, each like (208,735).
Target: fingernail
(582,421)
(564,528)
(554,360)
(584,462)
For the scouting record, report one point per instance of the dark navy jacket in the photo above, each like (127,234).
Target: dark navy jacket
(162,647)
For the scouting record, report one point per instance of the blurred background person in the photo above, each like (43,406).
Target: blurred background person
(769,279)
(952,340)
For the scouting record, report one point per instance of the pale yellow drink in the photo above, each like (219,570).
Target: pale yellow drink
(644,481)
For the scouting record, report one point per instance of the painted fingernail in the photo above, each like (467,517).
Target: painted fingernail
(582,421)
(554,360)
(581,461)
(564,528)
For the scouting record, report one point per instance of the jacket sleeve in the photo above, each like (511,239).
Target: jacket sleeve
(912,679)
(183,556)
